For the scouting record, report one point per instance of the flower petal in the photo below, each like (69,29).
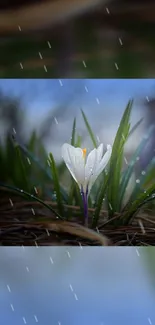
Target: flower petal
(99,168)
(78,164)
(99,153)
(64,152)
(67,160)
(74,160)
(104,161)
(90,164)
(94,158)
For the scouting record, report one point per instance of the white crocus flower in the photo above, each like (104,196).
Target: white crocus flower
(85,171)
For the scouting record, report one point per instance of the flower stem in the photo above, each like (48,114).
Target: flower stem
(85,204)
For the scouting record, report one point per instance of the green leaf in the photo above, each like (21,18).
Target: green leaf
(128,172)
(56,183)
(61,168)
(135,127)
(73,133)
(78,198)
(10,168)
(150,174)
(117,160)
(32,142)
(3,163)
(150,170)
(79,141)
(134,207)
(72,192)
(92,136)
(31,197)
(22,170)
(99,201)
(45,170)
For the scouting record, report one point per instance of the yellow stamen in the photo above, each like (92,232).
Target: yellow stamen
(84,152)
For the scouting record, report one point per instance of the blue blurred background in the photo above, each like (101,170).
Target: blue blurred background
(76,286)
(50,106)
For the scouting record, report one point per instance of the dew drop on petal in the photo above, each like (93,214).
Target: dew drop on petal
(137,181)
(143,172)
(91,170)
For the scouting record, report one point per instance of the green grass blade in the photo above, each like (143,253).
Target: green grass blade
(73,133)
(127,174)
(73,191)
(99,201)
(23,171)
(79,141)
(117,160)
(150,171)
(56,183)
(133,208)
(61,168)
(134,128)
(32,142)
(31,197)
(92,136)
(10,169)
(46,171)
(150,174)
(3,163)
(72,194)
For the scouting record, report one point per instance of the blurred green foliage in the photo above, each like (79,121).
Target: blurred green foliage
(135,58)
